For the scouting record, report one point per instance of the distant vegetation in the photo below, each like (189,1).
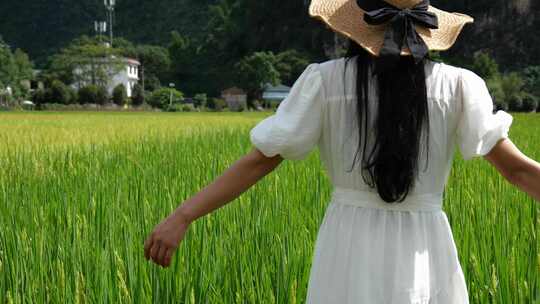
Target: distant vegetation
(205,46)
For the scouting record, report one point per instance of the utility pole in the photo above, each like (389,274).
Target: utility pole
(171,85)
(109,5)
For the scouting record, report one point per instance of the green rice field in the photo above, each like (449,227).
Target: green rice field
(79,193)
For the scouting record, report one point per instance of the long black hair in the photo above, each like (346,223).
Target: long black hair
(392,164)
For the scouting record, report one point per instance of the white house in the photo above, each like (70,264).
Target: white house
(128,75)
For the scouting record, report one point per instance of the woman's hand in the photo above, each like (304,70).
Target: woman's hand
(244,173)
(161,244)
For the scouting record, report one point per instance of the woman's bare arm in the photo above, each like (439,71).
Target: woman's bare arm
(244,173)
(237,179)
(516,167)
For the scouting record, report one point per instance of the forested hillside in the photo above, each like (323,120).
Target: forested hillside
(510,29)
(213,35)
(42,27)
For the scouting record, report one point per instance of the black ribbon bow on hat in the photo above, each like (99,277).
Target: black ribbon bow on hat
(401,30)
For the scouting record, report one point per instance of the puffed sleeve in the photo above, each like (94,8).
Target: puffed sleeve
(478,128)
(295,128)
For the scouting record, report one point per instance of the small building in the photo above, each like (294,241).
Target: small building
(188,100)
(235,98)
(275,94)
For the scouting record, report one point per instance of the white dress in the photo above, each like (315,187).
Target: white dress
(369,251)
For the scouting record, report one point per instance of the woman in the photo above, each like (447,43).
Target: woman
(386,120)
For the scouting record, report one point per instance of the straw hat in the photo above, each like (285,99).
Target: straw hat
(346,17)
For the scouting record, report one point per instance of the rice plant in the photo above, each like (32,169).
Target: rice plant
(79,192)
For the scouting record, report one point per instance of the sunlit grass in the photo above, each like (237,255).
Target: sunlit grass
(79,192)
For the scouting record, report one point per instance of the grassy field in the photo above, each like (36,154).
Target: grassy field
(79,192)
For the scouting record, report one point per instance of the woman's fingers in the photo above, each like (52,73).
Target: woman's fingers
(155,250)
(161,255)
(148,245)
(168,256)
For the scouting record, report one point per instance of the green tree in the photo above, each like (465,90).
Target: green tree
(494,85)
(512,88)
(137,95)
(152,83)
(530,102)
(532,80)
(58,93)
(24,65)
(484,65)
(120,95)
(255,71)
(164,97)
(192,67)
(8,73)
(8,67)
(155,61)
(290,65)
(86,61)
(216,104)
(200,100)
(125,47)
(93,94)
(102,95)
(14,68)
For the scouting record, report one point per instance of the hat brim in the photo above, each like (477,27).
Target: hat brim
(347,18)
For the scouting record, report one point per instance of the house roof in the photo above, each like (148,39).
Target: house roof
(120,59)
(133,61)
(279,88)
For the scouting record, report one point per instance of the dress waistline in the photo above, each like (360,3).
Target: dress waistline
(413,202)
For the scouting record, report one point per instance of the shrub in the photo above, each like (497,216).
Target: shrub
(58,93)
(216,104)
(60,107)
(188,107)
(120,95)
(152,83)
(137,95)
(74,96)
(200,100)
(39,97)
(162,98)
(102,95)
(511,85)
(530,102)
(88,94)
(175,107)
(515,104)
(92,94)
(494,85)
(484,65)
(532,79)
